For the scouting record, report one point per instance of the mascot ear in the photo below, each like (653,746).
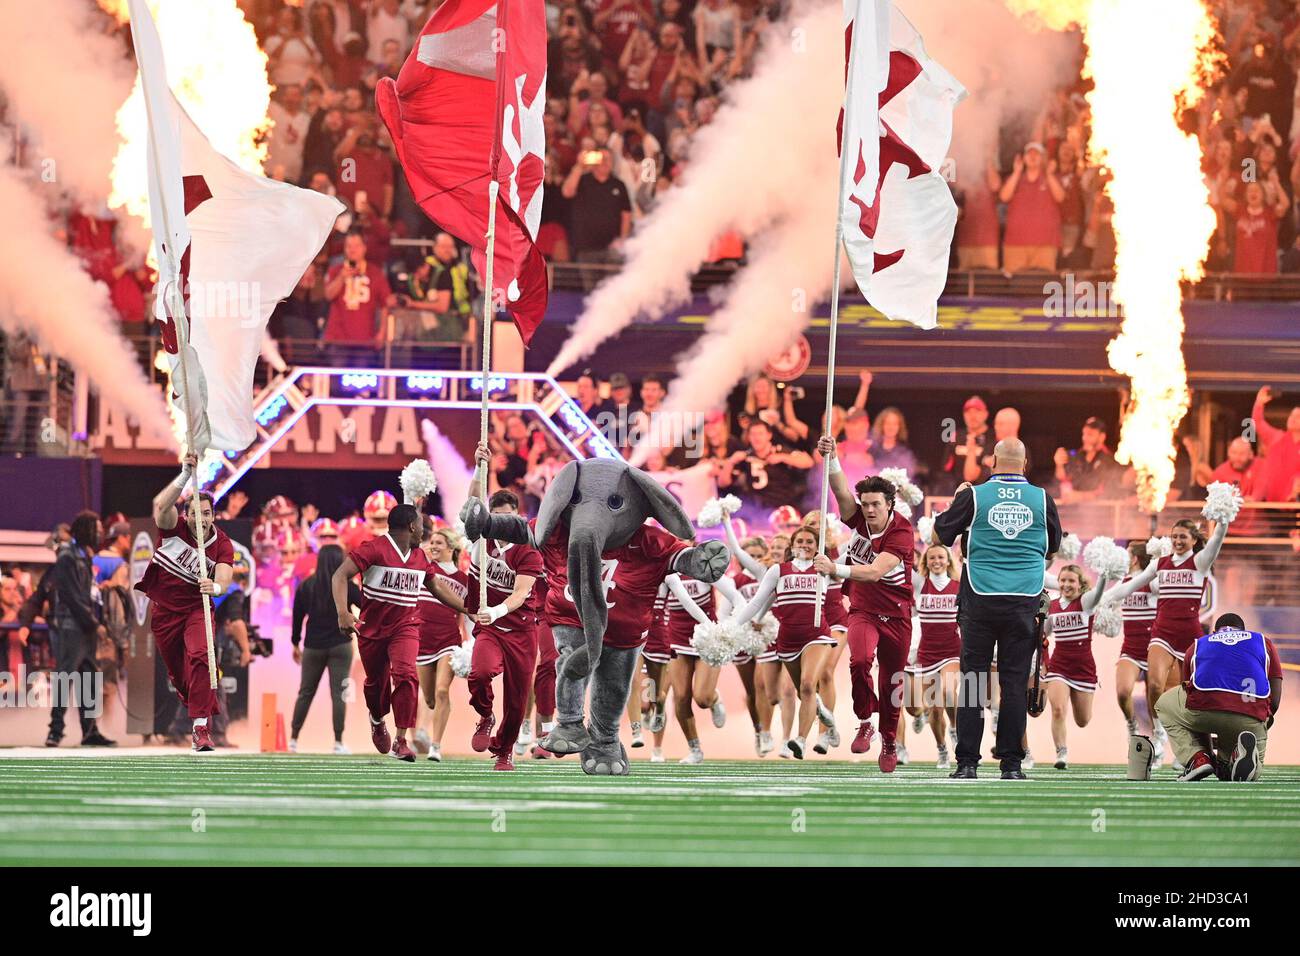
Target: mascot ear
(664,508)
(557,498)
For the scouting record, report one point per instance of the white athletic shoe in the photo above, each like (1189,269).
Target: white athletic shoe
(995,723)
(435,753)
(638,740)
(341,749)
(524,739)
(694,757)
(658,720)
(422,741)
(1062,758)
(1132,727)
(765,743)
(1158,740)
(952,739)
(918,724)
(943,762)
(719,713)
(656,755)
(824,715)
(1028,762)
(833,737)
(823,744)
(785,751)
(293,745)
(903,757)
(796,746)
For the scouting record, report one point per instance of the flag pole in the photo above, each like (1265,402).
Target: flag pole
(831,345)
(177,297)
(489,304)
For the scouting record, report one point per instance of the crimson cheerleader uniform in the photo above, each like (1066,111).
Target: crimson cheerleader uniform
(748,587)
(681,625)
(833,612)
(794,607)
(936,607)
(1180,589)
(1139,610)
(440,631)
(657,647)
(1071,659)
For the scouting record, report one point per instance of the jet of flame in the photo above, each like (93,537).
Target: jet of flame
(218,73)
(1147,62)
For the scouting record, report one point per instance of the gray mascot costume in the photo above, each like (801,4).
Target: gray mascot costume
(602,503)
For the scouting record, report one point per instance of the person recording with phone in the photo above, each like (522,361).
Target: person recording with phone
(601,213)
(358,292)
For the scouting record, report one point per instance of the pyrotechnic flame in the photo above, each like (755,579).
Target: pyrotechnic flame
(218,73)
(1147,61)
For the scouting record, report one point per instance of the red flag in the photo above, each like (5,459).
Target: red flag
(467,108)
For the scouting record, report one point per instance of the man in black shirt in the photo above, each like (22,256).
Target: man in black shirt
(1089,471)
(770,475)
(601,212)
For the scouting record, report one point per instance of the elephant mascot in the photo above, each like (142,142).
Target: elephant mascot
(599,551)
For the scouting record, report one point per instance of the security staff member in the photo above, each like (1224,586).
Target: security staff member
(1009,530)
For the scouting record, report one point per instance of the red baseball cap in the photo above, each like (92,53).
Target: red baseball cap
(975,402)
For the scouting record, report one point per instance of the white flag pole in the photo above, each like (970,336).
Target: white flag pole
(177,297)
(489,303)
(835,319)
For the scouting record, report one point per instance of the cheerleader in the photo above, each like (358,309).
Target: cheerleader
(656,655)
(442,630)
(838,619)
(764,671)
(1070,670)
(790,590)
(1138,607)
(694,683)
(780,689)
(938,655)
(1179,580)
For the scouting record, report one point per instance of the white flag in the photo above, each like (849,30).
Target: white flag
(230,242)
(897,212)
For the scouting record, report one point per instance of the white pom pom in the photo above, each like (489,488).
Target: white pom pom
(752,640)
(770,627)
(715,642)
(1070,547)
(417,481)
(1222,502)
(1108,620)
(730,504)
(461,658)
(1159,547)
(925,527)
(1105,557)
(902,508)
(907,492)
(710,515)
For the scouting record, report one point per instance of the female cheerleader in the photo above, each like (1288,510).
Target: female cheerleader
(1070,671)
(694,683)
(838,620)
(939,653)
(441,631)
(745,584)
(1138,606)
(657,655)
(790,590)
(1180,585)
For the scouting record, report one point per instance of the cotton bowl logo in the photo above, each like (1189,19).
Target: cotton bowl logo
(1010,518)
(141,555)
(1230,638)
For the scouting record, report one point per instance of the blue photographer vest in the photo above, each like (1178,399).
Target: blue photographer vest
(1232,661)
(1006,545)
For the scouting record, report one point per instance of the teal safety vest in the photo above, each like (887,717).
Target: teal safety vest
(1006,544)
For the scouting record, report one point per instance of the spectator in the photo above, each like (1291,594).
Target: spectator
(1089,471)
(588,396)
(854,449)
(75,633)
(1070,171)
(769,474)
(977,229)
(292,56)
(774,404)
(443,288)
(1255,224)
(1240,468)
(1280,450)
(25,384)
(643,420)
(1033,195)
(324,134)
(889,442)
(288,137)
(716,29)
(386,25)
(365,170)
(616,21)
(718,446)
(358,292)
(601,211)
(975,443)
(323,646)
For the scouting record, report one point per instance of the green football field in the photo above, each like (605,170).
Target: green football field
(363,810)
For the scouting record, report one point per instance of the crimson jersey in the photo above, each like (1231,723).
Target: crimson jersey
(746,585)
(937,608)
(631,576)
(681,625)
(172,579)
(1069,621)
(795,602)
(1139,610)
(391,583)
(1181,587)
(505,562)
(440,624)
(891,596)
